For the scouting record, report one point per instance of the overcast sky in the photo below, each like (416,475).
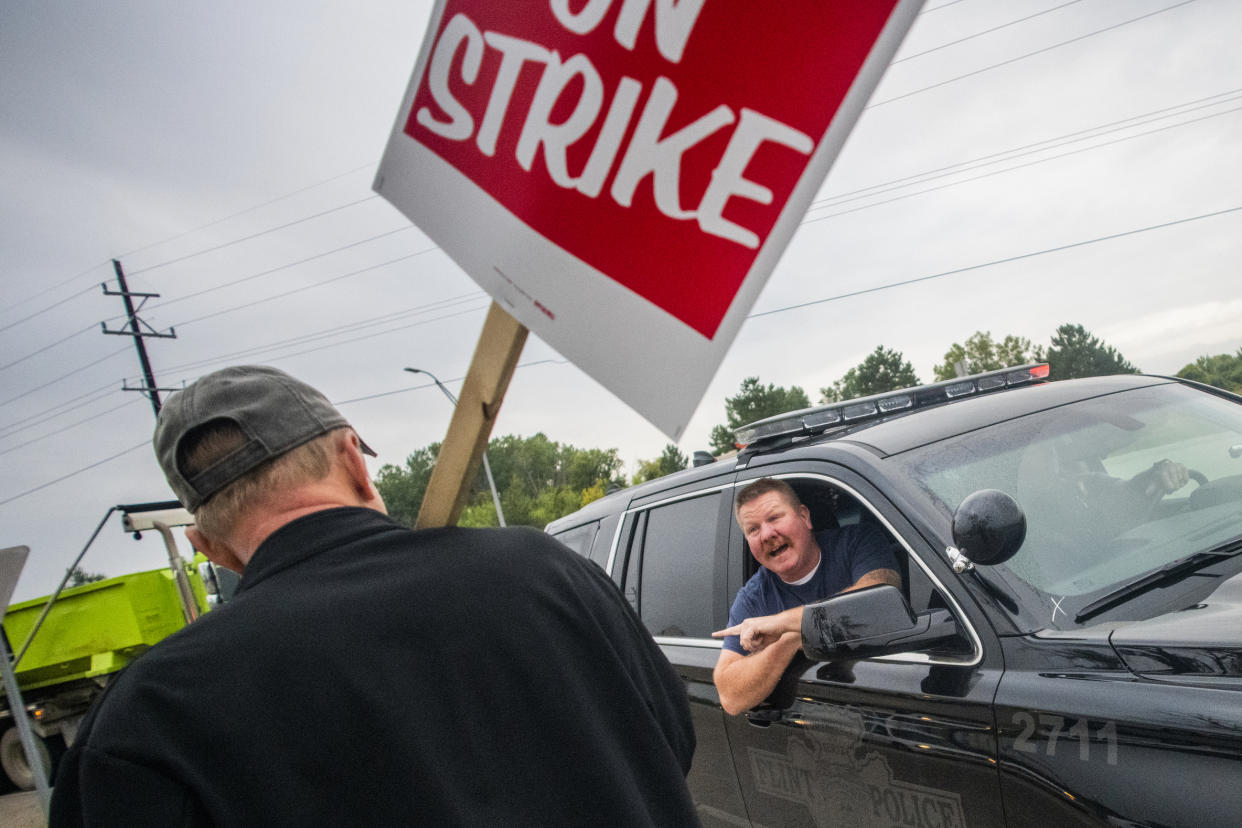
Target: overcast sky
(1045,161)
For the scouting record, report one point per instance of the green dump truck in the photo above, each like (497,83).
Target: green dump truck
(69,645)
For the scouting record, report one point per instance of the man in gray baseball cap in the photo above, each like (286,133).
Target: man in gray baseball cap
(364,673)
(275,412)
(241,420)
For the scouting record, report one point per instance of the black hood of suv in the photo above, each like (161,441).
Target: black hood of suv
(1204,640)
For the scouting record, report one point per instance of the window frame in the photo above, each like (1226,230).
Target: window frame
(634,522)
(731,553)
(954,606)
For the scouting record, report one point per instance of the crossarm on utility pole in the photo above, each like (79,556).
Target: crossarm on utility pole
(457,466)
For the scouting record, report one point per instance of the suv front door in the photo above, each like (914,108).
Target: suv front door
(903,741)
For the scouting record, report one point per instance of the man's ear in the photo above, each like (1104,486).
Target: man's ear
(219,554)
(805,512)
(356,467)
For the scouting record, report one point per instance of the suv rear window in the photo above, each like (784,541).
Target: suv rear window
(676,567)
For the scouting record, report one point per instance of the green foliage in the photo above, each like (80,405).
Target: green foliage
(1223,371)
(538,480)
(593,492)
(553,503)
(586,467)
(754,401)
(480,515)
(403,487)
(669,461)
(79,576)
(979,353)
(1077,353)
(882,370)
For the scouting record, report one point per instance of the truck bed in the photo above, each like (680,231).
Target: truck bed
(96,628)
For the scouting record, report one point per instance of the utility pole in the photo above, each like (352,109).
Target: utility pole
(135,329)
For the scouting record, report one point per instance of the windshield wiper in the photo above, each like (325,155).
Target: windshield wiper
(1170,572)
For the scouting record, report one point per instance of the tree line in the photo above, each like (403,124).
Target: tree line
(539,480)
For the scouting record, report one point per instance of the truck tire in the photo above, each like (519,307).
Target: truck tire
(13,759)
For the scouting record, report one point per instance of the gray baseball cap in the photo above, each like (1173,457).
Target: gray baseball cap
(275,411)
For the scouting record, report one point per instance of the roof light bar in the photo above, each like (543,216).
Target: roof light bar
(897,402)
(816,420)
(990,383)
(858,411)
(822,418)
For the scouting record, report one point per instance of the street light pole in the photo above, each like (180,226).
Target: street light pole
(487,467)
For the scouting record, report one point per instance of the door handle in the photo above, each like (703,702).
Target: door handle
(763,716)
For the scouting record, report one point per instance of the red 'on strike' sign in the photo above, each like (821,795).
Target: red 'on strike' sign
(655,140)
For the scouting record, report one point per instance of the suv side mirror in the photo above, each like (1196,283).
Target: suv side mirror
(870,622)
(989,527)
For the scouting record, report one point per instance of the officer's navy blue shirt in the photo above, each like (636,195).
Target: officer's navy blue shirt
(847,554)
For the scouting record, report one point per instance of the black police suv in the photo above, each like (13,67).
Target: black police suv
(1066,646)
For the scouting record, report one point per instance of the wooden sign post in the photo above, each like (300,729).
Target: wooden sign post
(457,466)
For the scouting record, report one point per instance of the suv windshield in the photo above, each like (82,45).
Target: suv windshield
(1089,477)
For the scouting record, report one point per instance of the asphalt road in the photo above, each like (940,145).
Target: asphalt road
(21,810)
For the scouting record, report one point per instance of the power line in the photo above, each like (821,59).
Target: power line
(1029,54)
(366,166)
(147,443)
(72,425)
(802,304)
(429,307)
(42,417)
(941,6)
(144,443)
(240,213)
(277,269)
(329,332)
(237,281)
(106,263)
(307,287)
(380,320)
(984,32)
(53,306)
(47,347)
(774,311)
(294,223)
(78,370)
(1009,169)
(185,233)
(1047,143)
(261,233)
(419,253)
(341,207)
(1006,260)
(433,385)
(57,286)
(368,336)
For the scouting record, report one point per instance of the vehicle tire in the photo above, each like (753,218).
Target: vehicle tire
(13,759)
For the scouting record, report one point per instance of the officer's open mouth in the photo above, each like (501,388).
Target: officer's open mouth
(778,550)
